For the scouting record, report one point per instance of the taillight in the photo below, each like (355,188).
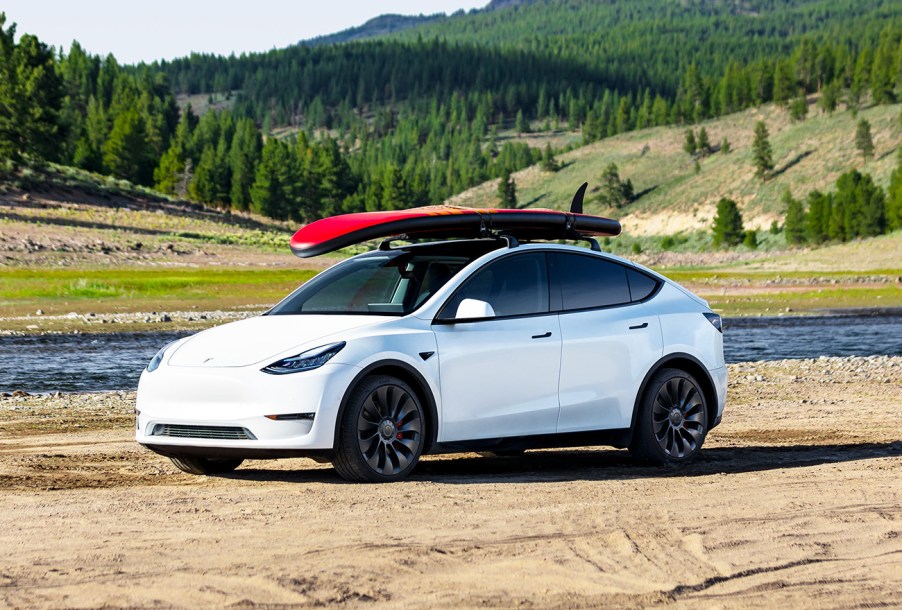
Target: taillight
(715,320)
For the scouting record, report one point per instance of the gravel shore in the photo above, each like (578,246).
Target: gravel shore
(795,501)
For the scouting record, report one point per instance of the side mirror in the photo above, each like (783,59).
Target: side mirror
(473,308)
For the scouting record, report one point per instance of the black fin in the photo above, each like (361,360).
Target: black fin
(576,206)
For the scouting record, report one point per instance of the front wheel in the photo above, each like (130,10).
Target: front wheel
(672,420)
(205,466)
(382,431)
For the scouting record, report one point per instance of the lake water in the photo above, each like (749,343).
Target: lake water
(79,363)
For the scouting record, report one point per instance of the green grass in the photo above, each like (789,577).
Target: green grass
(63,290)
(701,275)
(806,301)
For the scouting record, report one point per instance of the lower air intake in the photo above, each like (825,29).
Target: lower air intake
(230,433)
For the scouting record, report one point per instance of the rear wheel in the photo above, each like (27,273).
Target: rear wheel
(382,431)
(672,421)
(200,465)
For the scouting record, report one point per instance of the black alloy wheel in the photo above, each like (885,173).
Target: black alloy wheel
(672,420)
(382,431)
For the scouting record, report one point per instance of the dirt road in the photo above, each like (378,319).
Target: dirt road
(795,502)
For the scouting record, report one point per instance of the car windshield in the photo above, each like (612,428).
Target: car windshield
(391,283)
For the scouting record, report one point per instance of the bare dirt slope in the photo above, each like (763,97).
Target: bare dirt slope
(796,502)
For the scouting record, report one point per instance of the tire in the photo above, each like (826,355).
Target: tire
(205,466)
(672,421)
(383,429)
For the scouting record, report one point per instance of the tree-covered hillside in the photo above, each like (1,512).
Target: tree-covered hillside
(416,118)
(626,46)
(383,25)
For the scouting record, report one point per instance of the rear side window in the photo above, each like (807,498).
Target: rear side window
(588,281)
(514,286)
(641,285)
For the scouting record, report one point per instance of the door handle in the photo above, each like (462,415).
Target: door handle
(638,326)
(545,336)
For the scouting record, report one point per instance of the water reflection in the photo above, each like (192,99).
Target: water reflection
(79,363)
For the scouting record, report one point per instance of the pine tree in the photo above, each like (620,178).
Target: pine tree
(795,221)
(761,151)
(725,146)
(613,191)
(168,175)
(784,82)
(520,124)
(272,192)
(87,154)
(394,190)
(623,122)
(863,141)
(549,163)
(690,145)
(727,229)
(126,153)
(858,208)
(9,136)
(243,159)
(703,145)
(750,239)
(798,109)
(883,68)
(507,191)
(861,77)
(818,219)
(894,198)
(335,182)
(30,97)
(829,98)
(212,182)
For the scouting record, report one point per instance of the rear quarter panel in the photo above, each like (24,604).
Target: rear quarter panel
(685,329)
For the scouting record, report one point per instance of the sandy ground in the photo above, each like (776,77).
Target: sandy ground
(796,501)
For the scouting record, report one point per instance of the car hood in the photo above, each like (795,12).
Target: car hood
(262,338)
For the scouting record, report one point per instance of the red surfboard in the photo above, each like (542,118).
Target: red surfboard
(444,221)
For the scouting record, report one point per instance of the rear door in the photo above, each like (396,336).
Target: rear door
(609,339)
(499,373)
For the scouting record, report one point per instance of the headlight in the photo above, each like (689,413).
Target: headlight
(306,361)
(154,363)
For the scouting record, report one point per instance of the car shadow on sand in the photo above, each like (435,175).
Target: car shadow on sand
(601,465)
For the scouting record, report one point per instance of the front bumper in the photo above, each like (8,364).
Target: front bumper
(218,401)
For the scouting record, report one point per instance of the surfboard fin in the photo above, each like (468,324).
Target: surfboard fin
(576,206)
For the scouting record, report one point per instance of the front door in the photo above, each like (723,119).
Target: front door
(500,372)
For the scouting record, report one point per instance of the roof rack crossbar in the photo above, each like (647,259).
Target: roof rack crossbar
(512,242)
(385,244)
(593,243)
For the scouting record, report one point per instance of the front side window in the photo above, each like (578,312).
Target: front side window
(393,283)
(513,286)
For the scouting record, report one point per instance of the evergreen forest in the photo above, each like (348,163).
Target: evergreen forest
(414,117)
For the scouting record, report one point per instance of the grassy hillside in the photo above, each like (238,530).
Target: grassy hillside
(808,155)
(63,217)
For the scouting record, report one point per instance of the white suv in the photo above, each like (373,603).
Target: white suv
(471,345)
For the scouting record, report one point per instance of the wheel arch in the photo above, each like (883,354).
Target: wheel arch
(410,376)
(693,366)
